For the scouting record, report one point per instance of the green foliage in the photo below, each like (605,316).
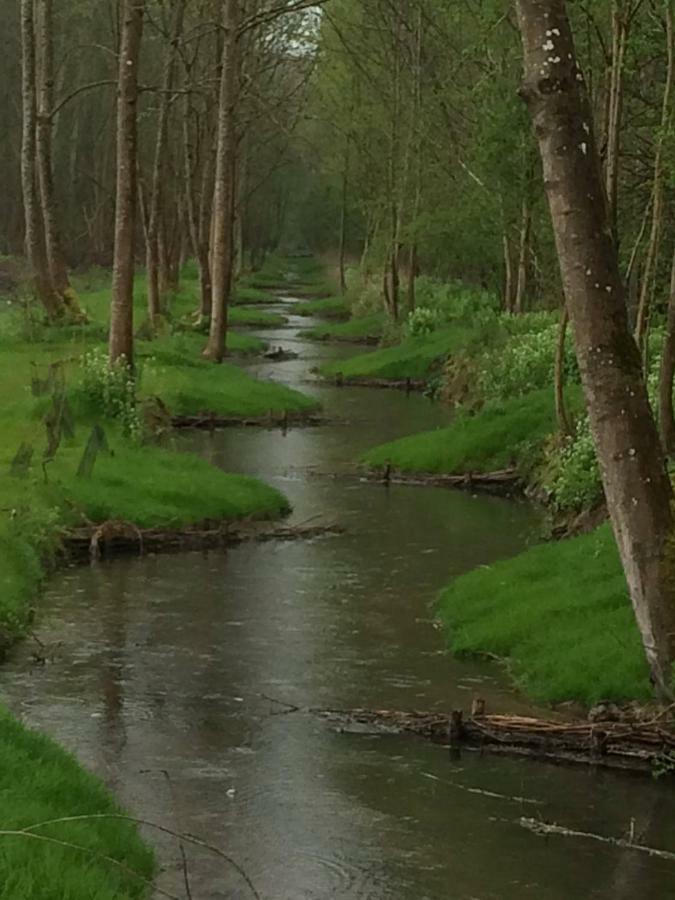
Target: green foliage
(422,321)
(560,615)
(525,360)
(571,472)
(361,329)
(110,389)
(329,307)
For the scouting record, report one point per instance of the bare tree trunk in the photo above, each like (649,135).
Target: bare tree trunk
(153,255)
(657,194)
(508,274)
(222,248)
(53,244)
(636,485)
(35,250)
(343,220)
(523,254)
(562,416)
(122,306)
(667,373)
(616,91)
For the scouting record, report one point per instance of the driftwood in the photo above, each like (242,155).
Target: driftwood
(409,385)
(117,537)
(211,421)
(639,745)
(505,481)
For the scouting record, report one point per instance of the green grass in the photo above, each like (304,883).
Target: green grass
(561,617)
(303,276)
(328,307)
(364,329)
(254,318)
(497,437)
(415,357)
(246,294)
(39,782)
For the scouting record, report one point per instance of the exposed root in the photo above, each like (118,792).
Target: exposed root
(505,482)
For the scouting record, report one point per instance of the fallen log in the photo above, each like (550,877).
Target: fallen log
(503,482)
(409,385)
(641,745)
(118,537)
(211,421)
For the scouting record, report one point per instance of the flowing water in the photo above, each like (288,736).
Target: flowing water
(170,674)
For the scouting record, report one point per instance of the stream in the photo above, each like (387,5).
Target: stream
(169,675)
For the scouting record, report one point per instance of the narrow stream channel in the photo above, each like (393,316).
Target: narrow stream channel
(164,668)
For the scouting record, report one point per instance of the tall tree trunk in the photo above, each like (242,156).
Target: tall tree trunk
(636,485)
(122,305)
(657,192)
(154,237)
(616,90)
(45,122)
(562,416)
(343,220)
(523,253)
(222,247)
(508,274)
(667,373)
(35,250)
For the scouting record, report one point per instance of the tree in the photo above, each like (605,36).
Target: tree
(34,240)
(222,246)
(636,485)
(121,342)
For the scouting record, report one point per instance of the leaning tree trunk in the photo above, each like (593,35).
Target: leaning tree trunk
(222,246)
(636,485)
(122,305)
(615,112)
(523,253)
(45,124)
(35,250)
(667,373)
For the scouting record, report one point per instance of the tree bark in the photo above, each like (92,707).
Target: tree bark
(523,254)
(508,274)
(562,416)
(222,248)
(45,123)
(35,250)
(637,488)
(667,373)
(343,220)
(153,256)
(619,46)
(657,192)
(121,342)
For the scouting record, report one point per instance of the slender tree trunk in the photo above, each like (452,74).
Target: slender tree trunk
(636,485)
(343,220)
(53,244)
(657,194)
(508,274)
(154,235)
(122,306)
(523,254)
(35,250)
(616,92)
(562,416)
(667,373)
(222,248)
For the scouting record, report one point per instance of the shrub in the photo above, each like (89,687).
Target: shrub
(572,476)
(422,321)
(111,387)
(525,362)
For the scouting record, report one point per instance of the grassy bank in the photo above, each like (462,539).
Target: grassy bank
(418,358)
(327,307)
(40,782)
(363,329)
(559,615)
